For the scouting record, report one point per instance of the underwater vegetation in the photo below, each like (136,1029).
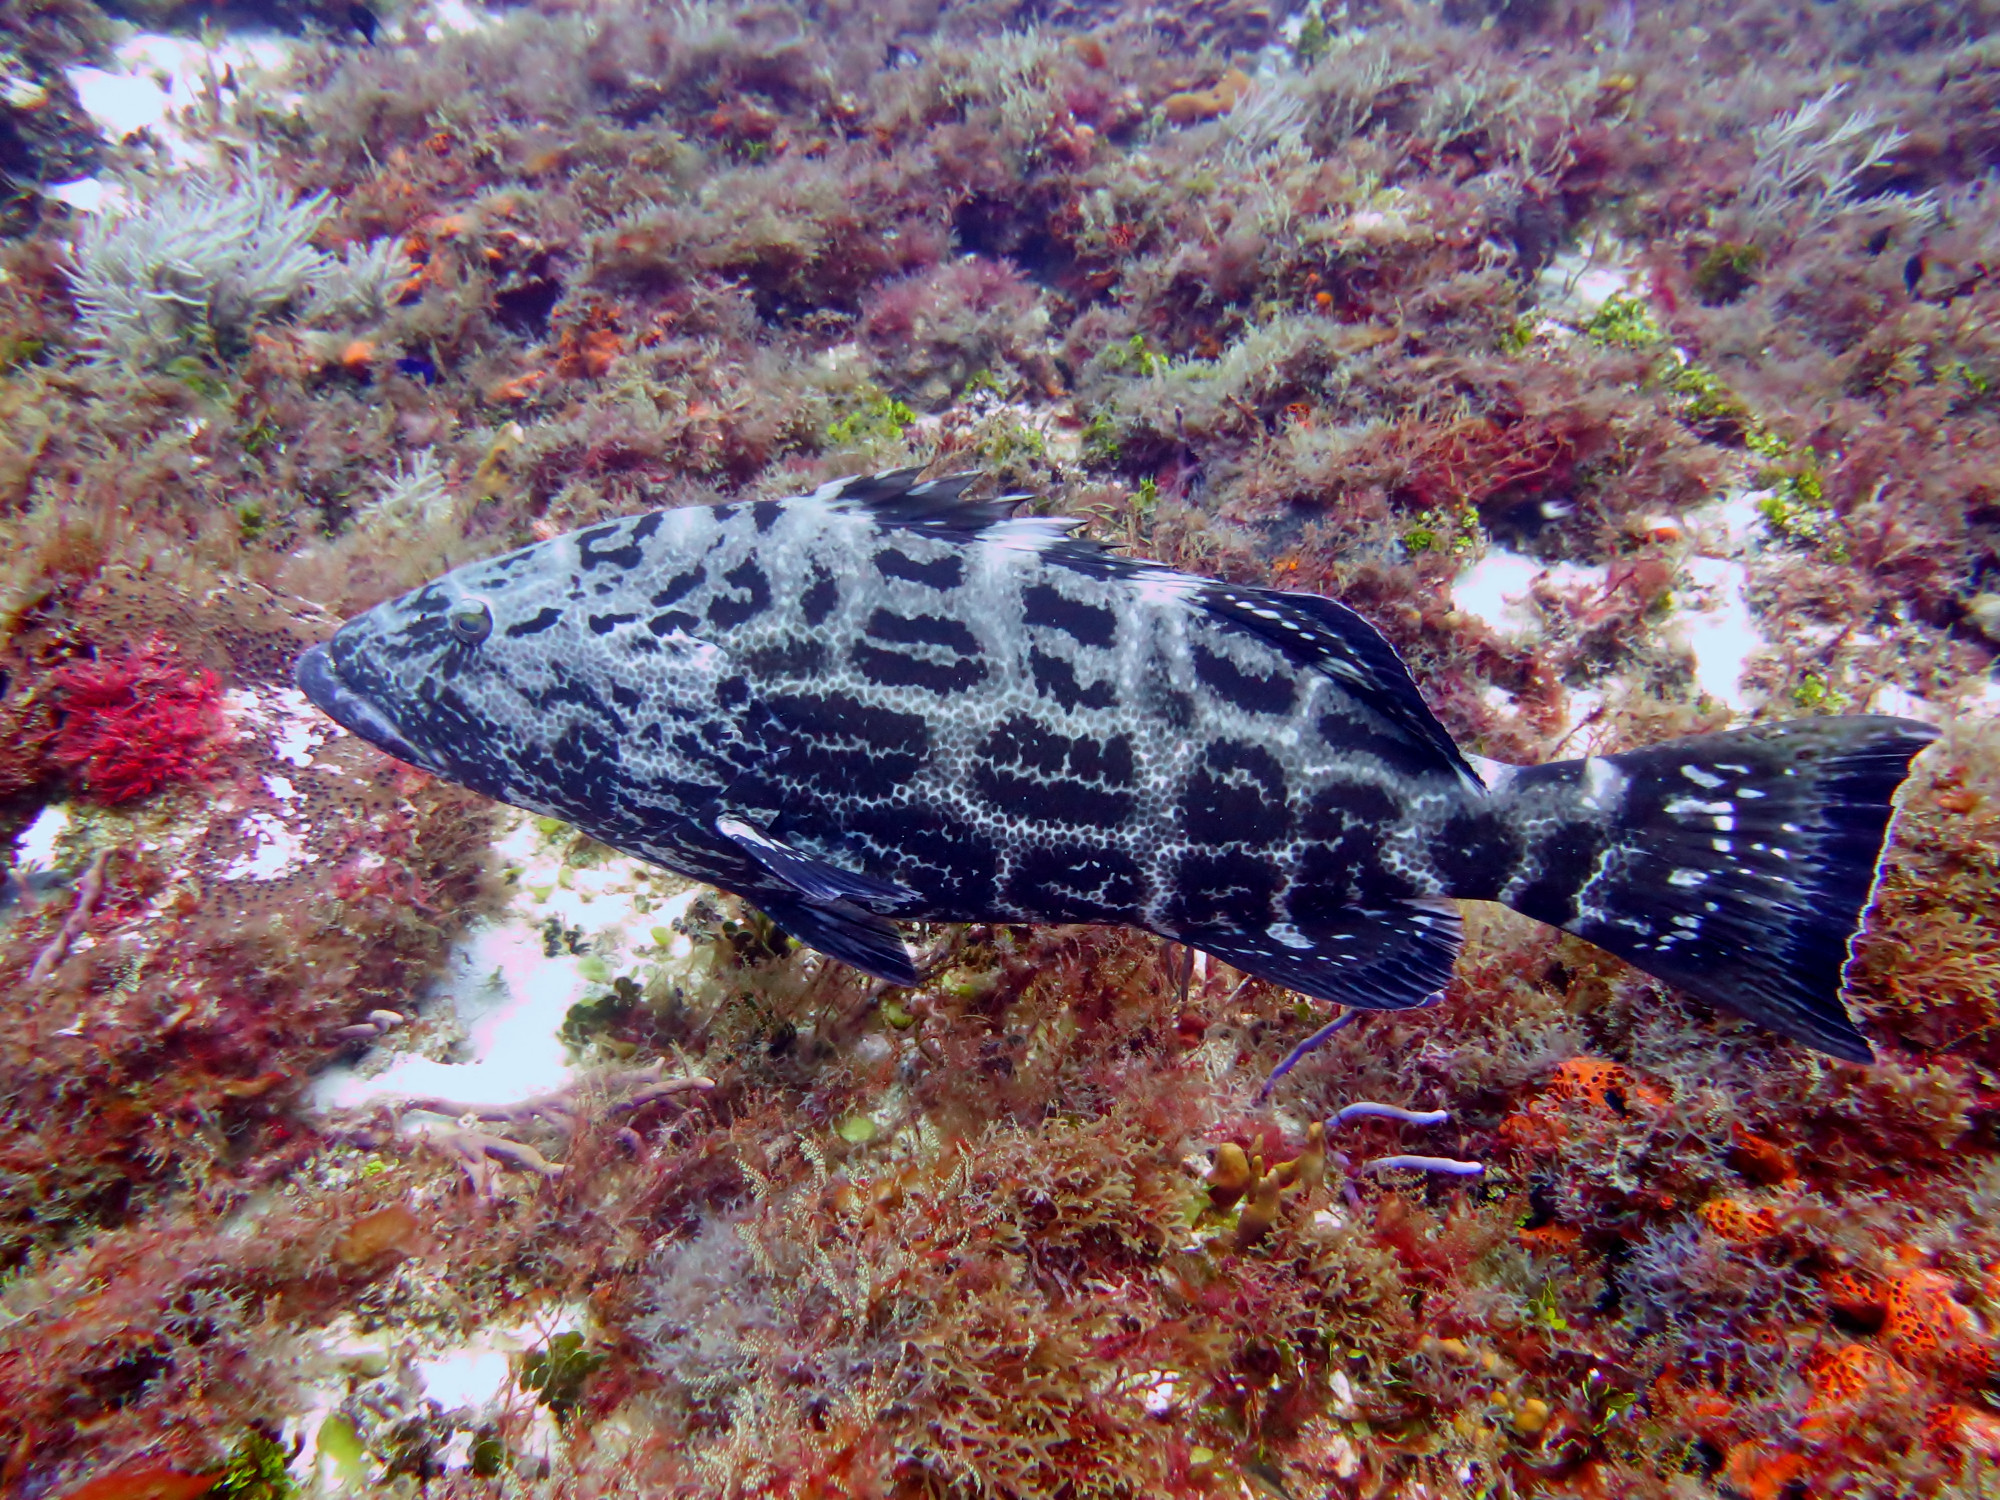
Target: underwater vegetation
(1636,370)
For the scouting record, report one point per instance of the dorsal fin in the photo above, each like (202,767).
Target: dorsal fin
(1333,639)
(900,497)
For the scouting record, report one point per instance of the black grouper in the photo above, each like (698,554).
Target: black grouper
(882,700)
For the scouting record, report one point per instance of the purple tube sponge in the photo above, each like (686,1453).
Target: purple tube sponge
(1365,1109)
(1443,1165)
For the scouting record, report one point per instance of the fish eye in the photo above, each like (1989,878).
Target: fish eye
(471,620)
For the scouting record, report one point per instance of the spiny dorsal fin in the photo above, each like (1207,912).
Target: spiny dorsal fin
(901,497)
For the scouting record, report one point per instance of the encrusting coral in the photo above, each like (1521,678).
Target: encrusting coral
(1567,344)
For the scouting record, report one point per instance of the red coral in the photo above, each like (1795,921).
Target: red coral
(137,722)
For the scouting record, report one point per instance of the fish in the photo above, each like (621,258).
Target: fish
(889,701)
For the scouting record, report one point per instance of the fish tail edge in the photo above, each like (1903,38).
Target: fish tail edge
(1736,866)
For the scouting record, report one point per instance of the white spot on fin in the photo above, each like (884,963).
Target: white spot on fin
(1603,784)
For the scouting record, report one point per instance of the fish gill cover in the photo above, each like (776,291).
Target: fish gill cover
(1629,370)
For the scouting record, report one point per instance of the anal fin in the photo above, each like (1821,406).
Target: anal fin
(812,877)
(1382,958)
(844,931)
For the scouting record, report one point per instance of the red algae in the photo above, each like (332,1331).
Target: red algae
(136,722)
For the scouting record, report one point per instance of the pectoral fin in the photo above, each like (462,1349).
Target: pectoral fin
(812,877)
(846,932)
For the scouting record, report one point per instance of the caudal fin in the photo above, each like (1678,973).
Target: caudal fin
(1736,866)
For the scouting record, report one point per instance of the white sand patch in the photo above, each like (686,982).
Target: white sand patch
(277,849)
(292,727)
(300,728)
(444,18)
(153,80)
(473,1377)
(1714,621)
(36,844)
(1718,629)
(1729,525)
(1574,287)
(1903,704)
(510,994)
(1981,704)
(1498,589)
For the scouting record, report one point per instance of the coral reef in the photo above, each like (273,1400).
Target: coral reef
(1634,369)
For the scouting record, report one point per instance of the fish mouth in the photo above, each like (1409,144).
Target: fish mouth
(319,679)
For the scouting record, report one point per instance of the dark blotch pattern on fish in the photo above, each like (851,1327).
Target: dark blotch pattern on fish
(943,572)
(728,611)
(1089,624)
(536,623)
(922,708)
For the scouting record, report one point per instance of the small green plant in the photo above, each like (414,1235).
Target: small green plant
(1976,382)
(1314,41)
(558,939)
(1101,448)
(20,351)
(1138,357)
(1544,1311)
(882,419)
(1812,694)
(1710,403)
(487,1456)
(1518,335)
(1727,272)
(341,1447)
(194,373)
(557,1371)
(1005,440)
(596,1014)
(257,1470)
(1616,1405)
(981,382)
(1442,531)
(1625,322)
(1767,444)
(1795,518)
(1794,504)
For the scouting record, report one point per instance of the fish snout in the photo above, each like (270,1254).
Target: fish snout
(318,677)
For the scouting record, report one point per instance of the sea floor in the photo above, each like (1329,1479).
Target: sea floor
(1634,370)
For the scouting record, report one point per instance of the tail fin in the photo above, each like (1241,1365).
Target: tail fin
(1736,866)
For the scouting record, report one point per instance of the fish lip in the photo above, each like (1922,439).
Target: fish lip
(318,677)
